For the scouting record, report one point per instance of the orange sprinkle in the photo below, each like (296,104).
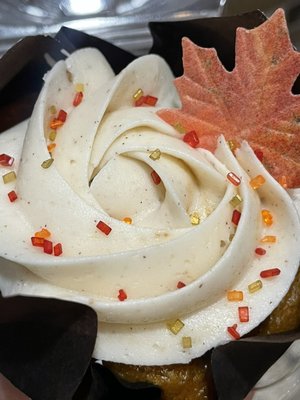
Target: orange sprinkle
(235,295)
(51,147)
(127,220)
(268,239)
(43,233)
(56,123)
(283,181)
(267,217)
(257,182)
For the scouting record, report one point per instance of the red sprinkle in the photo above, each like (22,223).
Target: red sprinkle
(12,196)
(259,154)
(6,160)
(140,101)
(37,241)
(48,246)
(268,273)
(155,177)
(104,228)
(62,116)
(122,295)
(233,332)
(57,249)
(260,251)
(236,215)
(233,178)
(191,138)
(244,314)
(77,99)
(180,284)
(150,100)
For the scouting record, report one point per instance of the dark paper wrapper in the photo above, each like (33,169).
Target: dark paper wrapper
(46,345)
(237,366)
(209,32)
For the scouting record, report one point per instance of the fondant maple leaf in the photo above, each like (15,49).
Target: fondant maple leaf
(254,101)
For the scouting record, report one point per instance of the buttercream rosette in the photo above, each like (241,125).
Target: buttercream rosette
(198,225)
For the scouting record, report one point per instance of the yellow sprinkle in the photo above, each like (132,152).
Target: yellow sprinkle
(155,155)
(257,182)
(47,163)
(79,87)
(127,220)
(233,144)
(179,127)
(235,295)
(186,342)
(69,75)
(175,326)
(138,94)
(52,135)
(9,177)
(194,218)
(255,286)
(231,236)
(236,200)
(52,110)
(268,239)
(267,217)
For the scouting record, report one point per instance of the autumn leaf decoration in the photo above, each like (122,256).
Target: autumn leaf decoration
(254,101)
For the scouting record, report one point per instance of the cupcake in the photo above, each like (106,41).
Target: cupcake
(162,207)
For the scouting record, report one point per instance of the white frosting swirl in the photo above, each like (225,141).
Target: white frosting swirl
(102,171)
